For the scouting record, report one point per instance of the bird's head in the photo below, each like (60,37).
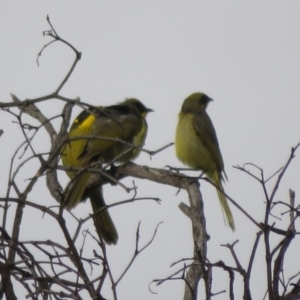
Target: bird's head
(195,102)
(142,109)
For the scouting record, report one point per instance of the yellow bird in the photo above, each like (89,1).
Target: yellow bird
(125,121)
(197,145)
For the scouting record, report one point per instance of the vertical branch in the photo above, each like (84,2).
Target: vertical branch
(268,256)
(10,177)
(279,260)
(292,212)
(268,260)
(247,290)
(197,270)
(290,234)
(6,282)
(51,174)
(77,259)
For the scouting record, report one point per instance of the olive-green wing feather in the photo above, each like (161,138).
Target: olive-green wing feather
(118,126)
(206,133)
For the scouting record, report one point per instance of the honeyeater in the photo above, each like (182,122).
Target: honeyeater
(197,145)
(125,121)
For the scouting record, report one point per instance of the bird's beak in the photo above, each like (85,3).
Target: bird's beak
(144,114)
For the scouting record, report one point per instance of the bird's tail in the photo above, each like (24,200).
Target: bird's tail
(76,190)
(103,222)
(216,179)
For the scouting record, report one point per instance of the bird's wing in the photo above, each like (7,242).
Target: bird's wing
(118,122)
(81,127)
(205,131)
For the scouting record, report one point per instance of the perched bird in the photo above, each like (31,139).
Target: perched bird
(125,121)
(197,145)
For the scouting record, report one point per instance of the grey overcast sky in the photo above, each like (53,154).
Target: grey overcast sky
(243,54)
